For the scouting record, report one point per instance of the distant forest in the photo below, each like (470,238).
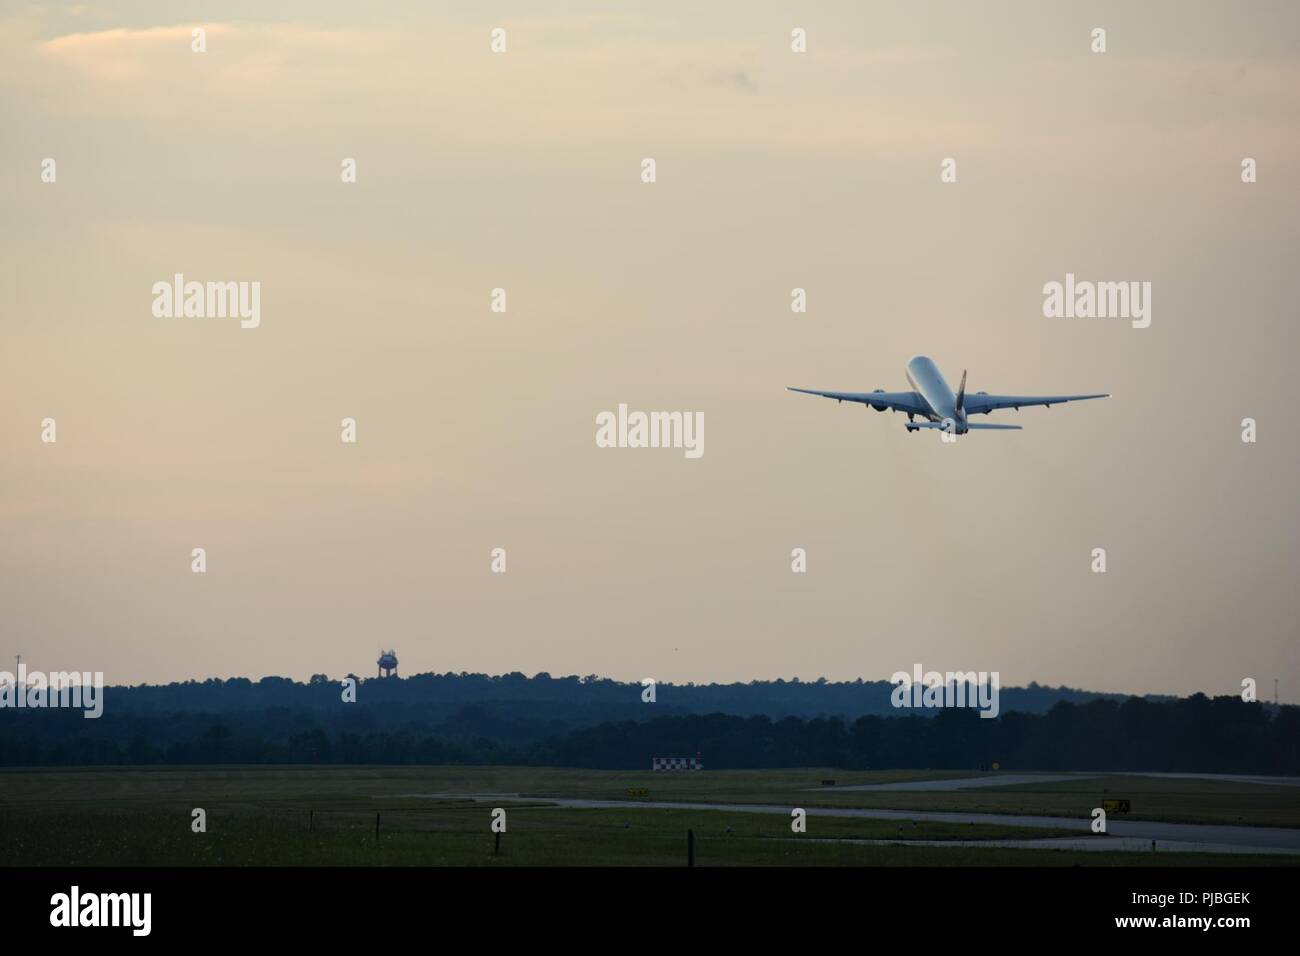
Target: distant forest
(599,723)
(569,700)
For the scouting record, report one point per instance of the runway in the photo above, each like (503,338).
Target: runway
(962,783)
(1123,835)
(1012,779)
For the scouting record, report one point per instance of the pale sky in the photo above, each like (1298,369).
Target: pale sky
(775,170)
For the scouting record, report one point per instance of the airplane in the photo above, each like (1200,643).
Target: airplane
(932,399)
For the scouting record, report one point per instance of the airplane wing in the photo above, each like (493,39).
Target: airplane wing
(981,426)
(899,401)
(978,404)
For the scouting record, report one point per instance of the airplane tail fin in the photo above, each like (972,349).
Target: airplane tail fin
(961,393)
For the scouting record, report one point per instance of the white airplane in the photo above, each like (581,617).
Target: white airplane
(932,399)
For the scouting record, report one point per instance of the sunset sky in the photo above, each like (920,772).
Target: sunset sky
(775,170)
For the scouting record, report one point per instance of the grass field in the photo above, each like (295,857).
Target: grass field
(326,816)
(1153,798)
(448,835)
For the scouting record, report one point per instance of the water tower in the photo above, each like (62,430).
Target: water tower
(387,663)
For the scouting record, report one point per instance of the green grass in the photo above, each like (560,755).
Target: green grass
(536,836)
(259,816)
(300,783)
(443,835)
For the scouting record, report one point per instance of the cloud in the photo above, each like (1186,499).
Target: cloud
(611,83)
(126,53)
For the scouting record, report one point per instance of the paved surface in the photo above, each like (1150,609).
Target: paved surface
(963,783)
(1108,844)
(1011,779)
(1233,777)
(1138,834)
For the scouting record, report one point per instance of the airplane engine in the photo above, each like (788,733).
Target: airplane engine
(879,408)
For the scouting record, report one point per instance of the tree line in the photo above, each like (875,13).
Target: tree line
(1193,734)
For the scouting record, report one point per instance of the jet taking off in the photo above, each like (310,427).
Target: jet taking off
(932,399)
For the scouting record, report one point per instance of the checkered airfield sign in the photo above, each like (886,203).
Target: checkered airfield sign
(676,763)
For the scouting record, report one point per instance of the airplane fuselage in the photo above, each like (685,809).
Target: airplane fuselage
(932,400)
(928,382)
